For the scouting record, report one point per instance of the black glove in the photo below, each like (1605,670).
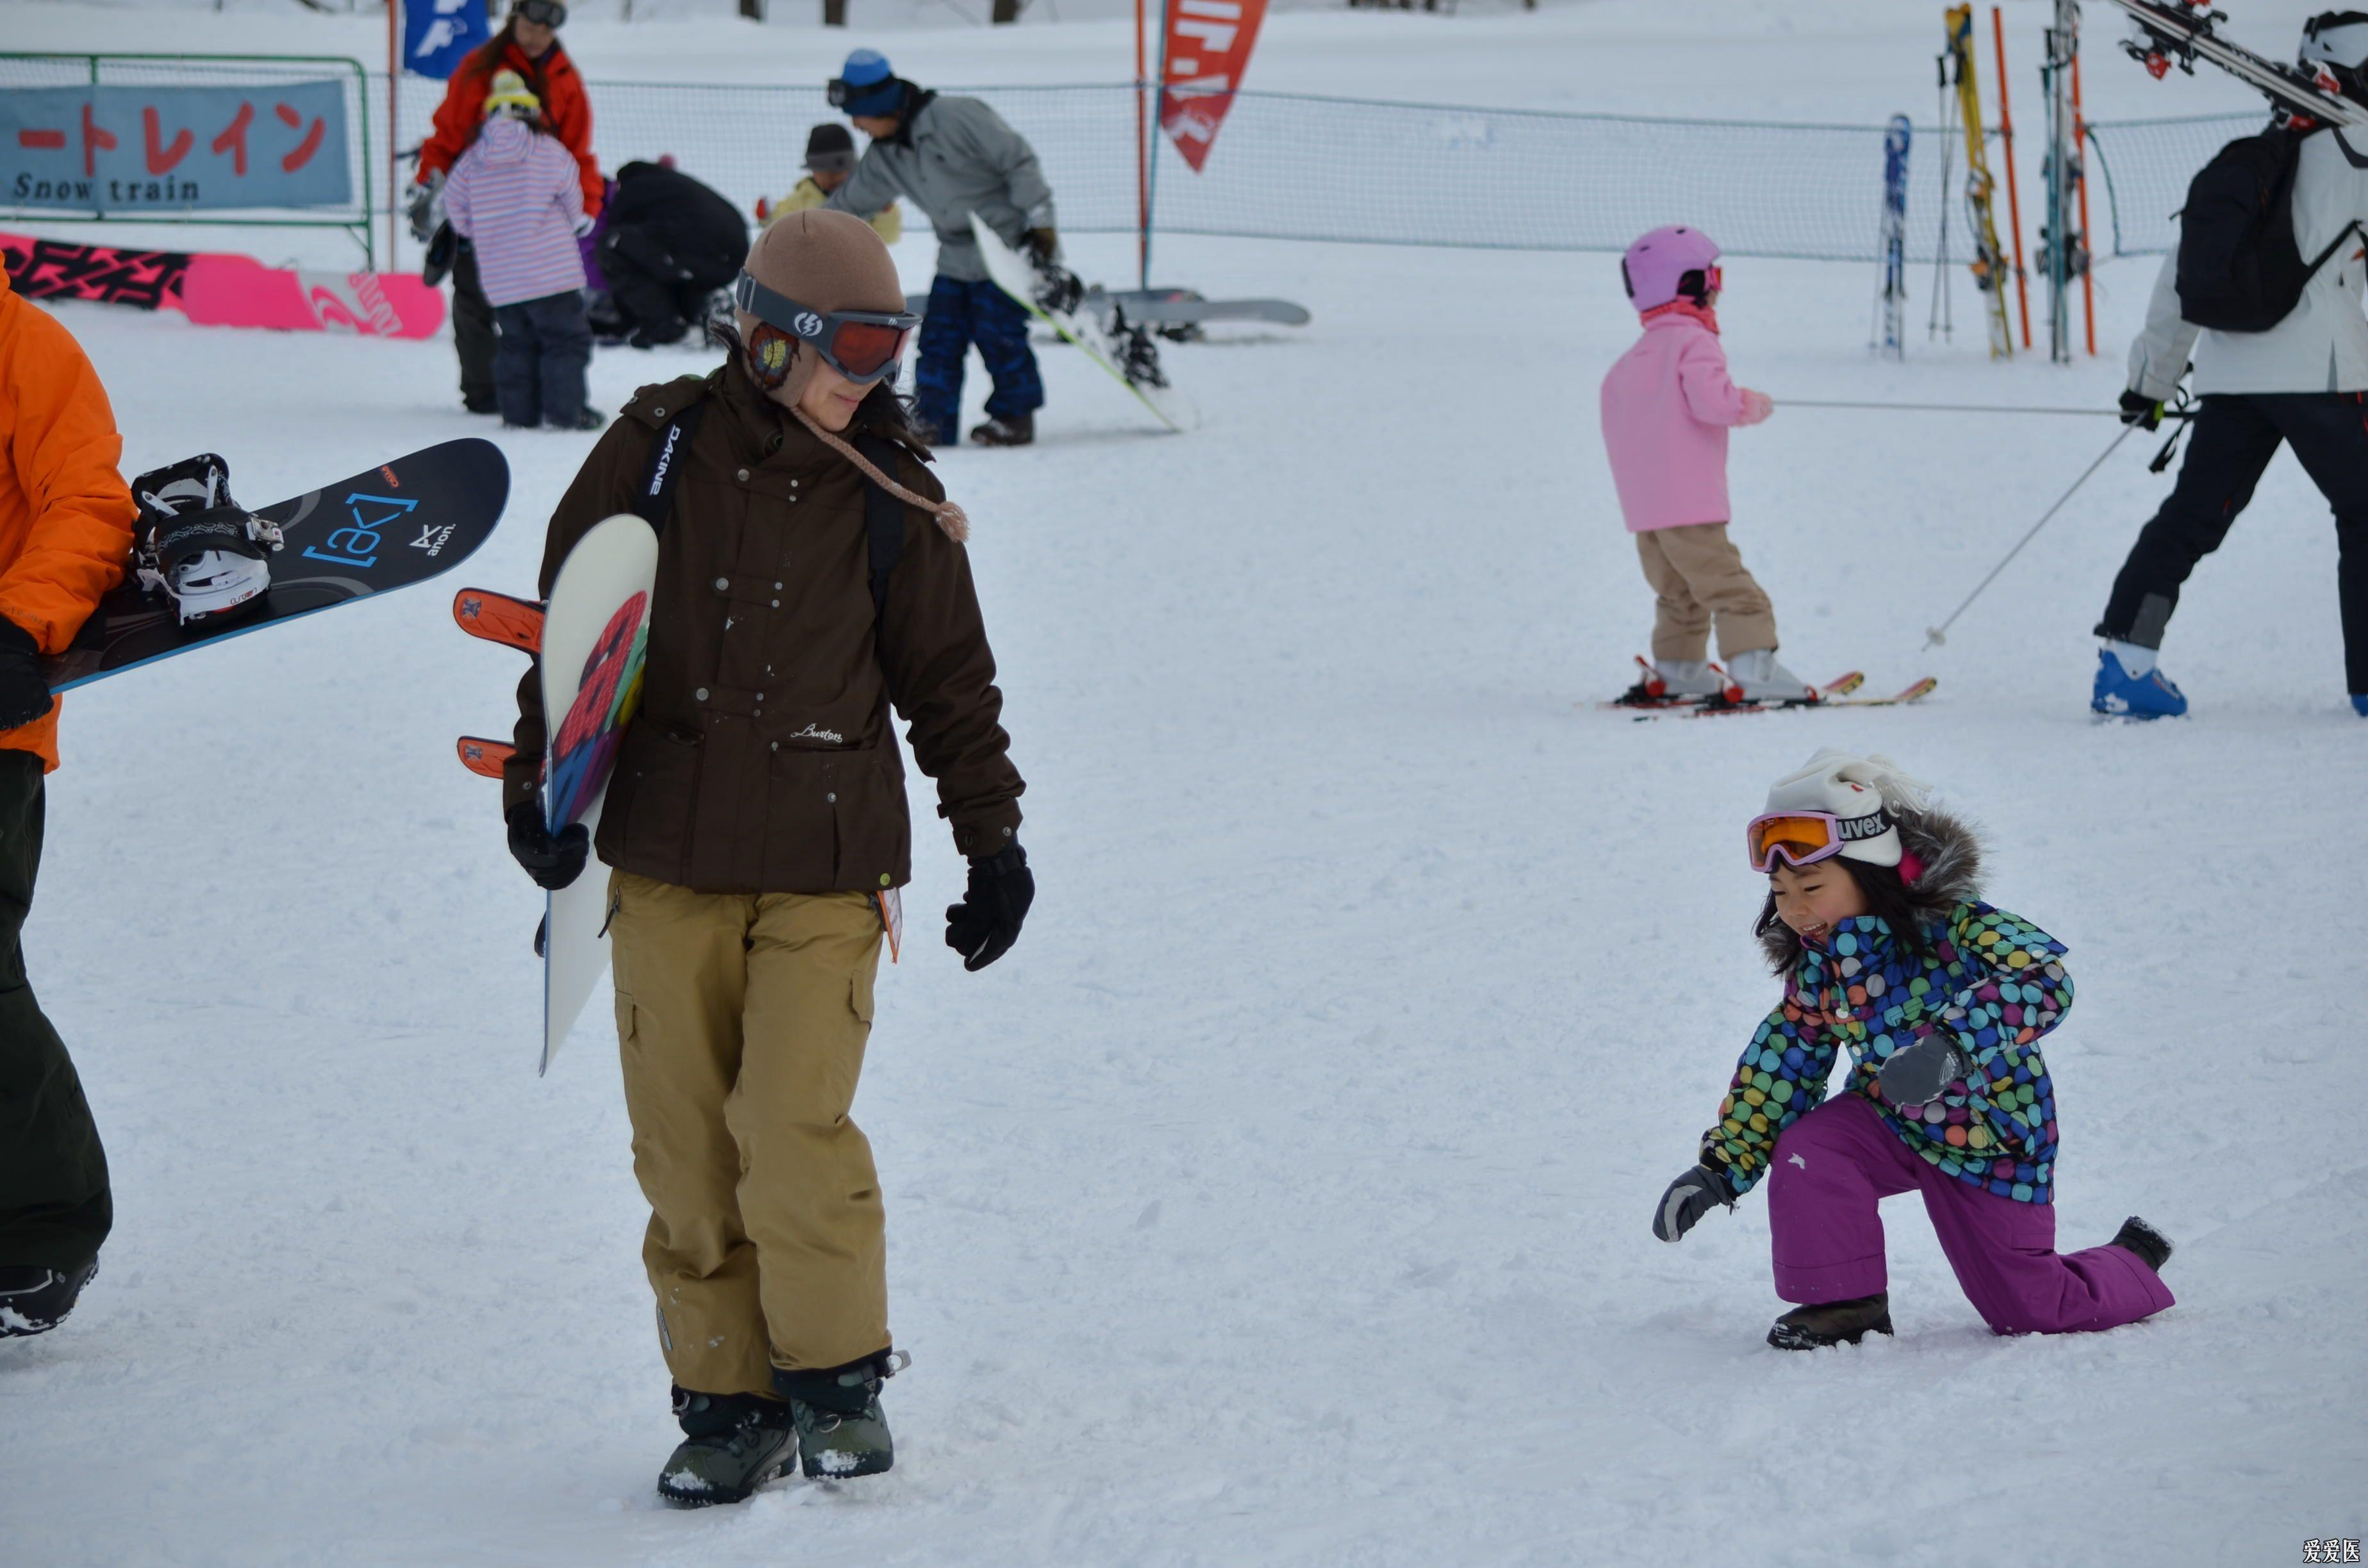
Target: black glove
(1919,1075)
(554,861)
(1690,1198)
(1043,244)
(983,926)
(419,207)
(2142,412)
(24,690)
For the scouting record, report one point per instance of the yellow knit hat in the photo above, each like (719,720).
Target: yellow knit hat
(510,92)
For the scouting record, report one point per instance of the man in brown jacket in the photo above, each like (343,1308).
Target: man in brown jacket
(757,829)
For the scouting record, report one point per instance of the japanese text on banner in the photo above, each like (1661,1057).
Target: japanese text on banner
(174,148)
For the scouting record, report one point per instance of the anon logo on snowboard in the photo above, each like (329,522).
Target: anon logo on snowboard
(356,545)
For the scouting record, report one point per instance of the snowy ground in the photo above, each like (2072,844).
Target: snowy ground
(1282,1198)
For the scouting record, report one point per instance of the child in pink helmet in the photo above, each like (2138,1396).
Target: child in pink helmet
(1666,406)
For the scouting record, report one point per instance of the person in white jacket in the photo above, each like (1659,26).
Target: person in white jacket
(2304,381)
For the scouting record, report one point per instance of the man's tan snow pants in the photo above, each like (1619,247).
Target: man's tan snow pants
(1696,572)
(742,1021)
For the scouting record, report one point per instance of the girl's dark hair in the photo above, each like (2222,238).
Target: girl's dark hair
(1886,894)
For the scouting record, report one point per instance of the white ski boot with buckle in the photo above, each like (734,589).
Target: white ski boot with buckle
(1756,677)
(197,546)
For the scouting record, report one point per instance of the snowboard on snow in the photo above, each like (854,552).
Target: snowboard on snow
(220,289)
(403,522)
(595,636)
(1013,273)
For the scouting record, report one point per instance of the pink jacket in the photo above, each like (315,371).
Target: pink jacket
(1667,404)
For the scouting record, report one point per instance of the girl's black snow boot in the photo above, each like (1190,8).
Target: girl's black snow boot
(2151,1246)
(1832,1323)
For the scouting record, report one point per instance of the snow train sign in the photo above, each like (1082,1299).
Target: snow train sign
(1208,48)
(135,149)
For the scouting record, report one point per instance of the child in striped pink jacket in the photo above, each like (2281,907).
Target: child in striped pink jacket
(517,197)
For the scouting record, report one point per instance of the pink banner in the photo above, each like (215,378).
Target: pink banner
(1209,44)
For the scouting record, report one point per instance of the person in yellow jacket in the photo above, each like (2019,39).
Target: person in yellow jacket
(830,160)
(66,534)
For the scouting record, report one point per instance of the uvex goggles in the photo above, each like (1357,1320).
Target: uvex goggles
(546,13)
(1804,838)
(862,346)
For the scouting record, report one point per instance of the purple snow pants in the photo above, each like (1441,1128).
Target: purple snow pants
(1833,1164)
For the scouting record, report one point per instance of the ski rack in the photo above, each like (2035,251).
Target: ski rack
(2179,32)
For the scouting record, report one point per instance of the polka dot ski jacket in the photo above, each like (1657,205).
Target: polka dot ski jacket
(1994,981)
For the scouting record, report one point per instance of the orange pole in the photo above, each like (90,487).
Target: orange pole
(1141,161)
(2088,260)
(2013,200)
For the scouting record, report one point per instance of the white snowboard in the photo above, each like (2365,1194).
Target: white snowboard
(1014,276)
(617,558)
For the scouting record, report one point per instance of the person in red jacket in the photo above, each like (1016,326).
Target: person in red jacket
(527,44)
(65,533)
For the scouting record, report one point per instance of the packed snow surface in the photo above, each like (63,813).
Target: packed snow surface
(1284,1198)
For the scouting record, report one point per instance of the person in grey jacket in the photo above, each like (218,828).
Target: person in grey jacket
(954,156)
(2304,381)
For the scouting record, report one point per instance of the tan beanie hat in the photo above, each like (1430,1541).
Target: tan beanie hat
(825,261)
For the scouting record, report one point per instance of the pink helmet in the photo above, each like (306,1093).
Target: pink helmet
(1655,266)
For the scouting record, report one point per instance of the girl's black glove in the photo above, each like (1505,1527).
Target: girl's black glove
(1920,1075)
(1690,1198)
(554,861)
(24,690)
(983,926)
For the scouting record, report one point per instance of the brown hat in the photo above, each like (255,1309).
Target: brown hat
(825,261)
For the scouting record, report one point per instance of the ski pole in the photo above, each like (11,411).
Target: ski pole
(1965,408)
(1934,636)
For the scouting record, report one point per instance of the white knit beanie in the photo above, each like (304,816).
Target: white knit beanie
(1853,787)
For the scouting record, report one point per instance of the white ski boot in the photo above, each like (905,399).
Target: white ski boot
(1756,677)
(197,546)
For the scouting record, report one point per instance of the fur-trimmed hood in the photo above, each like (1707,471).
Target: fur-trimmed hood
(1950,852)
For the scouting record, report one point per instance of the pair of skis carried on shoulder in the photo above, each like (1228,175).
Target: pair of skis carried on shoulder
(1643,701)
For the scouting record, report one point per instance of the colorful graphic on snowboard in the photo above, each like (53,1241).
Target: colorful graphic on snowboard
(220,289)
(499,617)
(387,527)
(585,748)
(1016,277)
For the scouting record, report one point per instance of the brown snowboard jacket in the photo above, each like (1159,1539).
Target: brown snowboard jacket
(762,759)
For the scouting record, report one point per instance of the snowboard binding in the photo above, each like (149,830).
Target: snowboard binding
(1058,290)
(1137,355)
(197,546)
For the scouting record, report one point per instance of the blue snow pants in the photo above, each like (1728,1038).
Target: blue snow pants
(960,315)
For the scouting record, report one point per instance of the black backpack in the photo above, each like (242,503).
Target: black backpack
(2240,269)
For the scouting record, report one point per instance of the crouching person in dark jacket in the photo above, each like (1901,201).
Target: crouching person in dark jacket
(670,243)
(758,832)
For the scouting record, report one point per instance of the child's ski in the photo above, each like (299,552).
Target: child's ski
(1642,701)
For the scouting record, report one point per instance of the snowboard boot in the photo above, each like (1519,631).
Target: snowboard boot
(1016,431)
(194,544)
(1832,1323)
(35,1300)
(1756,677)
(2148,694)
(2152,1247)
(842,1432)
(733,1443)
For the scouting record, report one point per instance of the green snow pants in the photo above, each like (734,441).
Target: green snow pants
(54,1207)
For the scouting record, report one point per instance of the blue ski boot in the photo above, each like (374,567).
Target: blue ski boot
(2147,696)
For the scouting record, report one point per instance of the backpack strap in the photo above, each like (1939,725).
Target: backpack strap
(884,519)
(673,443)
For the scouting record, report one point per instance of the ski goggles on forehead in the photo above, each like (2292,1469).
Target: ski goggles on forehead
(1804,838)
(862,346)
(542,13)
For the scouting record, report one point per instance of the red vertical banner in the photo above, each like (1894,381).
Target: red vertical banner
(1209,44)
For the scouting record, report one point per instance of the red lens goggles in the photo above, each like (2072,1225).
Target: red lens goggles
(862,346)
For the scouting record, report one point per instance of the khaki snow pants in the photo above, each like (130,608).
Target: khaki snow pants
(742,1021)
(1696,572)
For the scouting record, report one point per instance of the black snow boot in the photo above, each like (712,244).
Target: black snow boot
(1832,1323)
(35,1299)
(2151,1246)
(1016,431)
(732,1444)
(842,1432)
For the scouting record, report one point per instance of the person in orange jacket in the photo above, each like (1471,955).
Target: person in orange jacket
(66,534)
(527,44)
